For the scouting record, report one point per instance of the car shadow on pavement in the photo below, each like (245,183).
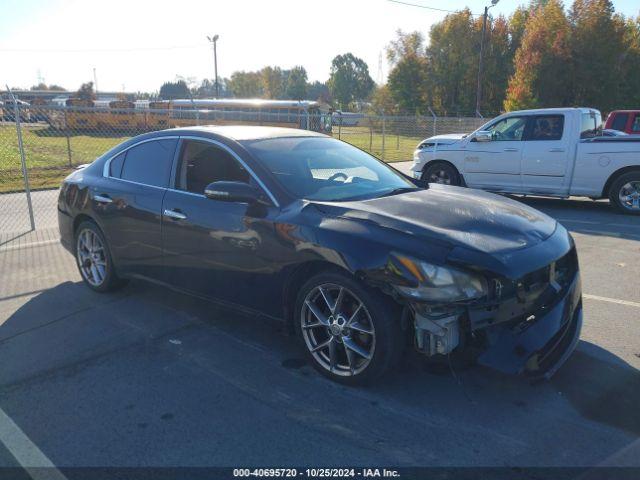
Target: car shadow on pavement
(70,350)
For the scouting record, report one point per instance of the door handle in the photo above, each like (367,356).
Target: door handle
(102,199)
(510,149)
(174,214)
(557,150)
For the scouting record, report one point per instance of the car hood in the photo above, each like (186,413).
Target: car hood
(458,217)
(447,139)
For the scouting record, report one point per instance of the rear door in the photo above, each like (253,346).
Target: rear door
(128,203)
(495,165)
(546,153)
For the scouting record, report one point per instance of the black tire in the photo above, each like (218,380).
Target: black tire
(443,173)
(109,279)
(379,312)
(619,187)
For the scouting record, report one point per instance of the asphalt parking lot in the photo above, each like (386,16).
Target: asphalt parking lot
(149,377)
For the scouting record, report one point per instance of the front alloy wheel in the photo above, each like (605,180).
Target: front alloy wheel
(351,332)
(337,329)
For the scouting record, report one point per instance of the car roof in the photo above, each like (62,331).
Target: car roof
(244,132)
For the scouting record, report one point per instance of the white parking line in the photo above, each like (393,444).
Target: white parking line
(611,300)
(28,455)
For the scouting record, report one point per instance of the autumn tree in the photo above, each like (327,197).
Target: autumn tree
(86,92)
(273,83)
(542,76)
(408,81)
(349,80)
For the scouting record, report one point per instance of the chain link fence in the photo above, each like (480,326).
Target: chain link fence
(40,145)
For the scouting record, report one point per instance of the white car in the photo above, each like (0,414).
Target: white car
(558,152)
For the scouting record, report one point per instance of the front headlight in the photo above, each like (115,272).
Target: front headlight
(436,283)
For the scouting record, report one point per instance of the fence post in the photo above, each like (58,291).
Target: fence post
(384,132)
(435,121)
(340,126)
(66,132)
(370,136)
(23,160)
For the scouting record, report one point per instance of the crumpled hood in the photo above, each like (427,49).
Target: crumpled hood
(460,217)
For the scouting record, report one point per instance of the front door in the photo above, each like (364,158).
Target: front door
(495,165)
(215,248)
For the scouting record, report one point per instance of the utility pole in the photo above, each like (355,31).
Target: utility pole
(95,82)
(484,28)
(214,40)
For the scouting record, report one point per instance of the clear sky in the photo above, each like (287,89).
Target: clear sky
(139,44)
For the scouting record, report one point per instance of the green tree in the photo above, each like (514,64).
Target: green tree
(173,90)
(629,90)
(319,91)
(297,83)
(272,82)
(543,72)
(598,52)
(382,101)
(246,84)
(349,80)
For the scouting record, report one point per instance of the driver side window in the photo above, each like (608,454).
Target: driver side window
(509,129)
(202,163)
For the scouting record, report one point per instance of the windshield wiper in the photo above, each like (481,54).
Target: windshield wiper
(397,191)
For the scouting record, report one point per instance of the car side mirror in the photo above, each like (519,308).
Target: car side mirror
(483,136)
(232,192)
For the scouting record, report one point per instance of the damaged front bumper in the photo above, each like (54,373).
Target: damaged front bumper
(529,325)
(537,347)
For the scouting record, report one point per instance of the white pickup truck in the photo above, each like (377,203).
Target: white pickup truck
(558,152)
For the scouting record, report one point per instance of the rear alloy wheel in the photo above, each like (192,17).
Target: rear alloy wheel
(94,259)
(349,334)
(441,172)
(625,193)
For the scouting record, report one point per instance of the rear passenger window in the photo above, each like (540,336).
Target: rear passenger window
(619,121)
(115,167)
(150,163)
(547,127)
(635,126)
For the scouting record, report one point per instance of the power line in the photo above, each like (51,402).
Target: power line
(431,8)
(99,50)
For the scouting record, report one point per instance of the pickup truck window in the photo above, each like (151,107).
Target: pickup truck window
(509,129)
(590,125)
(547,127)
(619,121)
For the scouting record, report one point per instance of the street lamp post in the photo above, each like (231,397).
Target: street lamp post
(484,28)
(214,40)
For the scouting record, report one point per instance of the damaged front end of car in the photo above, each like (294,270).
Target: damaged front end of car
(518,312)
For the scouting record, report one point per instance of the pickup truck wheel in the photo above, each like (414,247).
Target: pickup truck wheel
(625,193)
(441,172)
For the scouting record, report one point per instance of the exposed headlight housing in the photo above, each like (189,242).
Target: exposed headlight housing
(435,283)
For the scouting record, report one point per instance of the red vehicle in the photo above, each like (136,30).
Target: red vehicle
(627,121)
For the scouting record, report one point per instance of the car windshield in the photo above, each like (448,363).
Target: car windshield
(326,169)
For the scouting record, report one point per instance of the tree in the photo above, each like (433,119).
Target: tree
(273,84)
(382,101)
(85,92)
(319,91)
(297,83)
(542,76)
(246,84)
(404,45)
(408,84)
(629,91)
(598,51)
(349,80)
(173,90)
